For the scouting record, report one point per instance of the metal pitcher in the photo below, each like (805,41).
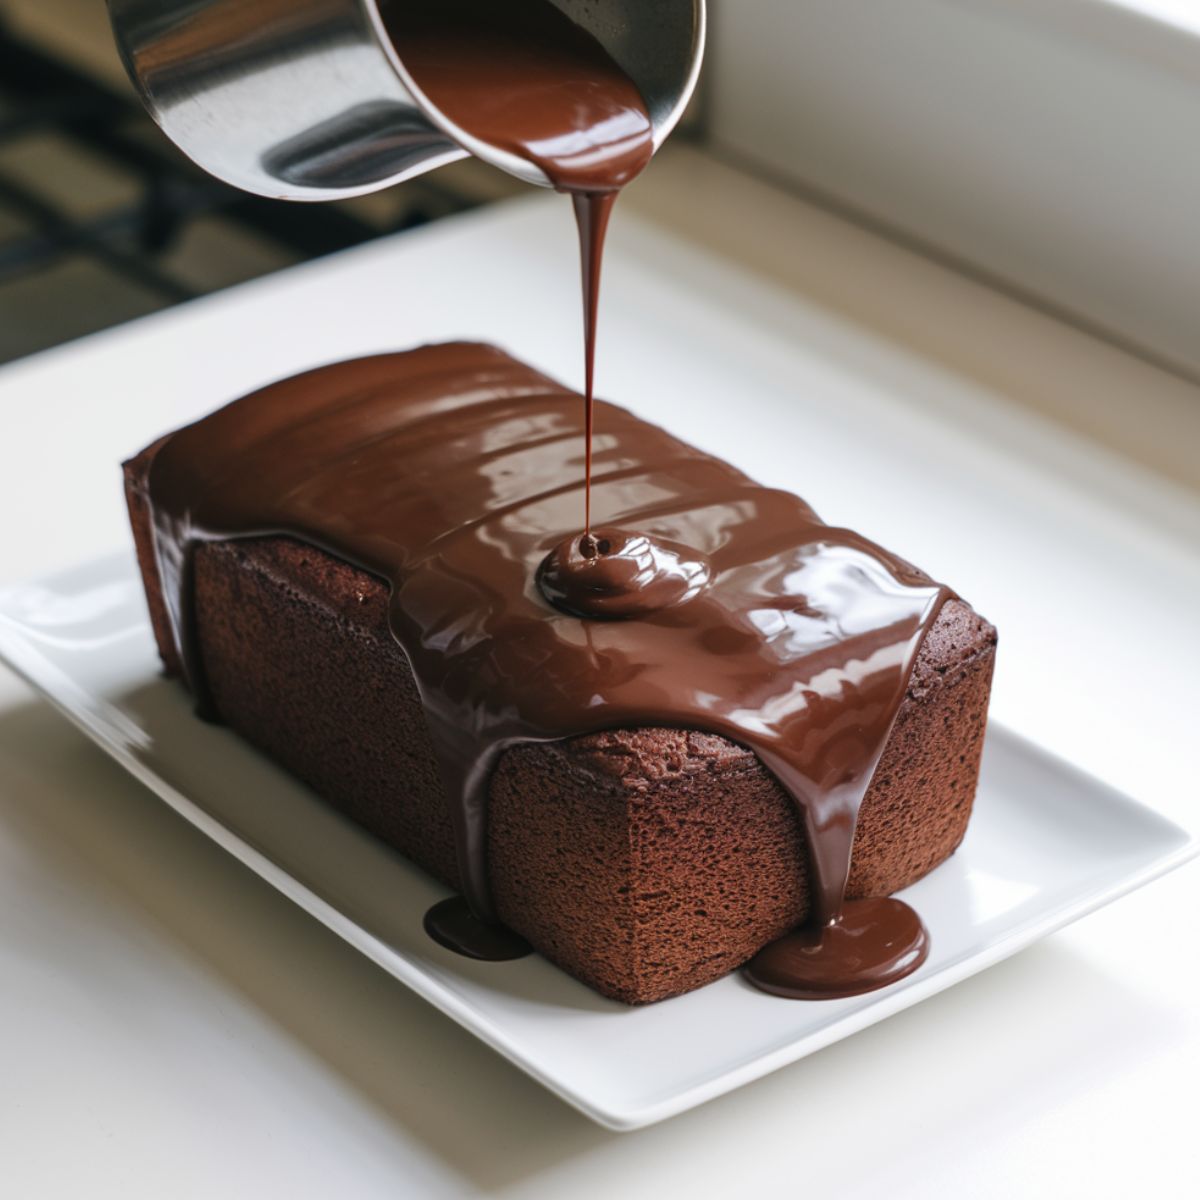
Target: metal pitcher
(309,99)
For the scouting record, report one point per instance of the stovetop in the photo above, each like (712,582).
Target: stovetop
(102,219)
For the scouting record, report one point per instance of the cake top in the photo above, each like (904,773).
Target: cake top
(454,473)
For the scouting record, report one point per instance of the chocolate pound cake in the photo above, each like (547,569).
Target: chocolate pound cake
(645,857)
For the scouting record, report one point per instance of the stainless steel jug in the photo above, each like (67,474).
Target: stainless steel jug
(309,100)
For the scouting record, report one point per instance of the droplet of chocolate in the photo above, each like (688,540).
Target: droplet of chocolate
(871,943)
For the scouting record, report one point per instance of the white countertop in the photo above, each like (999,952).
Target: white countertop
(169,1026)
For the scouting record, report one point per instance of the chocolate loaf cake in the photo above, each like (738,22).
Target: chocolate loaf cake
(645,858)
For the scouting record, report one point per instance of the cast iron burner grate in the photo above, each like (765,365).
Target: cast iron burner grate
(130,245)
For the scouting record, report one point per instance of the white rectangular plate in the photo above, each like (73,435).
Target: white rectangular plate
(1047,844)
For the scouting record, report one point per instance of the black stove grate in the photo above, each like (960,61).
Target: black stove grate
(131,242)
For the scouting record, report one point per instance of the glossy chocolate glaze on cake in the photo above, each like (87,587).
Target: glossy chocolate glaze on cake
(452,472)
(522,76)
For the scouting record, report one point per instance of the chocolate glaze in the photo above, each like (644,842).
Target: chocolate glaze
(522,76)
(452,472)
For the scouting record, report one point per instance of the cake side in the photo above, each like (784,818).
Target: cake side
(136,472)
(645,862)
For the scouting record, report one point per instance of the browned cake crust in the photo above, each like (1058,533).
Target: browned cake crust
(644,862)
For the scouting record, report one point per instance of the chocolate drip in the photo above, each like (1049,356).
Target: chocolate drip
(452,924)
(870,944)
(452,471)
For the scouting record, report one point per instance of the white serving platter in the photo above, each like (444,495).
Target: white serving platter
(1047,844)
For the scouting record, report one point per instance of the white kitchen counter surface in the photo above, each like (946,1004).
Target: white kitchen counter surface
(169,1026)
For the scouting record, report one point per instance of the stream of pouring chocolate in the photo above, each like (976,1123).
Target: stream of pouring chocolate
(452,473)
(522,76)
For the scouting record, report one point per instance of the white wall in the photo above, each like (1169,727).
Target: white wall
(1054,144)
